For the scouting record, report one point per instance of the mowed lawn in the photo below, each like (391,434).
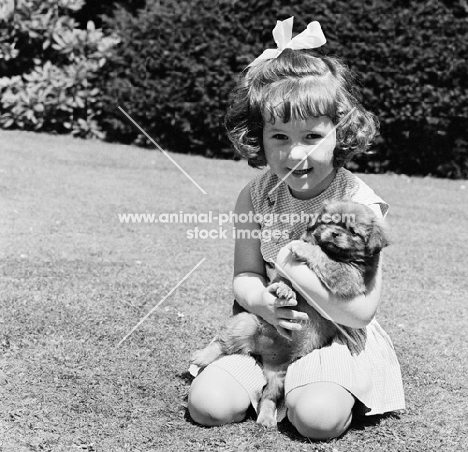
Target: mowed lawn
(75,281)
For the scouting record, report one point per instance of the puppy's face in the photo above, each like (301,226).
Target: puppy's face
(347,231)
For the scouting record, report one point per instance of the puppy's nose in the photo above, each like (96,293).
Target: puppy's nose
(335,234)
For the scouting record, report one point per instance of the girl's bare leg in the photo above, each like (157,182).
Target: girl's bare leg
(217,398)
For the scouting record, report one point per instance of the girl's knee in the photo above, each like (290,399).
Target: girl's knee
(319,421)
(216,398)
(320,414)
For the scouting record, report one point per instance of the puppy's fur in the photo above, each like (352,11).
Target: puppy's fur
(344,255)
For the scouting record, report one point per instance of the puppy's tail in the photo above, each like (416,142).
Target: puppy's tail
(239,334)
(236,336)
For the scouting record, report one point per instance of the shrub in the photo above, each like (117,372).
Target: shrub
(178,60)
(50,69)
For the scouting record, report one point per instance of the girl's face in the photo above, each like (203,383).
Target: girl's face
(296,143)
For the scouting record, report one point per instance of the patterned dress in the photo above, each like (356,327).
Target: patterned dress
(366,365)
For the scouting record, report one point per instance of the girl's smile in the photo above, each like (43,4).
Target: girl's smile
(300,153)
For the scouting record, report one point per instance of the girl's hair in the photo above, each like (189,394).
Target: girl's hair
(297,85)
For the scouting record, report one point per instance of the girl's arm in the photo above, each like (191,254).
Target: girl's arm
(355,313)
(250,275)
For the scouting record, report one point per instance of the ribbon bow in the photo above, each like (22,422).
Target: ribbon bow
(311,38)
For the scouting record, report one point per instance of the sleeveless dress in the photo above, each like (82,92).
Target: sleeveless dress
(366,365)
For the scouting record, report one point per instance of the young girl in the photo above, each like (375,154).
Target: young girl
(296,111)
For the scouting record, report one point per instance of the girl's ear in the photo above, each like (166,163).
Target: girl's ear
(377,238)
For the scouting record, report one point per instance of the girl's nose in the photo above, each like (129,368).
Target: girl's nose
(299,151)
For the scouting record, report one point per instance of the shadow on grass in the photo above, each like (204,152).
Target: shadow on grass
(187,377)
(363,422)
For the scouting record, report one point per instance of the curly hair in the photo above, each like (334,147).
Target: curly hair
(297,85)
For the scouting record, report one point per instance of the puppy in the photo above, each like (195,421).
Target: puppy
(349,237)
(342,247)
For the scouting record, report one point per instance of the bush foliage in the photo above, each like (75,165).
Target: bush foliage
(177,63)
(50,69)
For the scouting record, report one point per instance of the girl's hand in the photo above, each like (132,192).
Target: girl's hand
(276,311)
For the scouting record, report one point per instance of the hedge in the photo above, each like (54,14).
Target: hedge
(178,61)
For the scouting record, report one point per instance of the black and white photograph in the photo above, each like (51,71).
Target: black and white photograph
(234,226)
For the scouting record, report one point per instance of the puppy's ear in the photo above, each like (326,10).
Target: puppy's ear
(308,235)
(377,238)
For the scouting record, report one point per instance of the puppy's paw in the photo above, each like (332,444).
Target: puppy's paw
(267,413)
(284,291)
(267,419)
(300,250)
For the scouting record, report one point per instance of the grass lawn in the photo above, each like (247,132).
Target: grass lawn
(75,280)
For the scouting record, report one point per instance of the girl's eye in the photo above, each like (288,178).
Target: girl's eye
(314,136)
(279,136)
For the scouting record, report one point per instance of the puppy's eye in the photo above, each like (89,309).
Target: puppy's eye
(352,229)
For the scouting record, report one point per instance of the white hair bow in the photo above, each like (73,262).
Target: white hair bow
(311,38)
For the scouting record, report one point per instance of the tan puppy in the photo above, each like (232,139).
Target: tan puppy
(342,247)
(349,238)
